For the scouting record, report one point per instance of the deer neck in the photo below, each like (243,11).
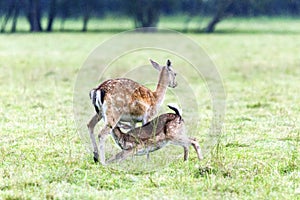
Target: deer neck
(162,85)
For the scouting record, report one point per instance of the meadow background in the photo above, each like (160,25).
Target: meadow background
(42,155)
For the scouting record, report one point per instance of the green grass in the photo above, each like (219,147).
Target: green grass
(43,157)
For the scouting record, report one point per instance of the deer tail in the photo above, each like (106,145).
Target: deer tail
(97,97)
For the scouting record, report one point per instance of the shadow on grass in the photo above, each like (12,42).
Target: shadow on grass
(208,170)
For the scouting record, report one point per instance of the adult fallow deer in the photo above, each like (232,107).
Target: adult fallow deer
(124,100)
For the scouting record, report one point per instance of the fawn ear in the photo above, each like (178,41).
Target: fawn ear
(156,65)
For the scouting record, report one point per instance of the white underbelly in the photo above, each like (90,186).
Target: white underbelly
(130,118)
(151,148)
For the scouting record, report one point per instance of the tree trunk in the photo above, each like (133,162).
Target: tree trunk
(86,14)
(8,15)
(212,24)
(34,15)
(222,6)
(85,23)
(145,13)
(195,8)
(15,18)
(51,15)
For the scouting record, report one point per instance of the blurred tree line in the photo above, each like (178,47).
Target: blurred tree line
(145,13)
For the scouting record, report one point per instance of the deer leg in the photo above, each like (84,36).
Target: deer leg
(185,142)
(91,125)
(197,148)
(120,156)
(186,153)
(148,155)
(146,118)
(102,137)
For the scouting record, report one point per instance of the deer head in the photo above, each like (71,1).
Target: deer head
(170,72)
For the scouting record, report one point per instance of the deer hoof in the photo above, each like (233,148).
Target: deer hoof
(96,157)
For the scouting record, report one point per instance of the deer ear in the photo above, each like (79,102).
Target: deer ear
(155,65)
(168,63)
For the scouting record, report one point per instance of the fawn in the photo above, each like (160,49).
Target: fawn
(166,129)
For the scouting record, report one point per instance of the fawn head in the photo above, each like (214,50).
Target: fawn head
(171,74)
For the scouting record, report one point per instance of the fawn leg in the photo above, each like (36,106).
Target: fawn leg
(197,148)
(120,156)
(91,125)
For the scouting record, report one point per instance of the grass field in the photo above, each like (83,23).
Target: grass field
(43,157)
